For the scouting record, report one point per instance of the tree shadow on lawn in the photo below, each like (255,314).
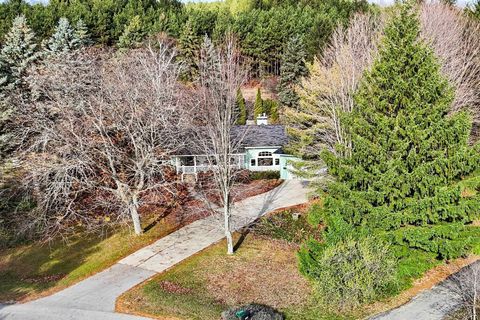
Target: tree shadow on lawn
(27,270)
(243,235)
(35,270)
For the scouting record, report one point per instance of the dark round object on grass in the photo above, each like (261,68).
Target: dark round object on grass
(252,312)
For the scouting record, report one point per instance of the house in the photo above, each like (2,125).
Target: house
(261,149)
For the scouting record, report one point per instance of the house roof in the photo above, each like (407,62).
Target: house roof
(252,136)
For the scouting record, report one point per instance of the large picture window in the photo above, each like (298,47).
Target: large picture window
(265,159)
(265,162)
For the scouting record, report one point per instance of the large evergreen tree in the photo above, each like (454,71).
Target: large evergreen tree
(408,153)
(293,68)
(18,52)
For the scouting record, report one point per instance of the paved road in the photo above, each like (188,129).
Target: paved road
(94,298)
(433,304)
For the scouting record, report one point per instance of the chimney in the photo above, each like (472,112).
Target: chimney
(262,120)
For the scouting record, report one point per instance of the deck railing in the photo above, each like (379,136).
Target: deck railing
(203,168)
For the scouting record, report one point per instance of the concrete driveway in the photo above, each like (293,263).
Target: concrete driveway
(433,304)
(94,298)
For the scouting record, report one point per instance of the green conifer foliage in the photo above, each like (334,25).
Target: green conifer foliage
(18,51)
(81,33)
(293,68)
(270,107)
(63,39)
(258,108)
(189,45)
(241,108)
(407,155)
(133,34)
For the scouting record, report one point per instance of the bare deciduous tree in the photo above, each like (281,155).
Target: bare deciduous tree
(101,133)
(333,79)
(464,287)
(220,76)
(454,39)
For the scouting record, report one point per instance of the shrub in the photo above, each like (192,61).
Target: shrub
(285,226)
(350,272)
(252,312)
(262,175)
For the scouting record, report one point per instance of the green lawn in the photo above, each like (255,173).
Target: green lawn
(32,270)
(262,271)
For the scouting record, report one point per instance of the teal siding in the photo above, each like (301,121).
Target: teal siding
(286,167)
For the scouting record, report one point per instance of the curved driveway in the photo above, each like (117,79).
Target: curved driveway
(94,298)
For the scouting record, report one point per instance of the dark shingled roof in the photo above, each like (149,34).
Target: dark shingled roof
(261,136)
(251,136)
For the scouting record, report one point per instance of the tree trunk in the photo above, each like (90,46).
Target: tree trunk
(135,219)
(228,233)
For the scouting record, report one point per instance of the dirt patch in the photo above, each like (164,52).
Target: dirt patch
(269,275)
(44,279)
(172,287)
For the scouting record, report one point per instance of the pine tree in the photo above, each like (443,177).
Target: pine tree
(63,39)
(258,106)
(81,34)
(241,108)
(407,155)
(292,69)
(189,46)
(133,34)
(18,52)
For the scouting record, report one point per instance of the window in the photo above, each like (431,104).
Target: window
(253,162)
(265,162)
(265,154)
(277,162)
(265,159)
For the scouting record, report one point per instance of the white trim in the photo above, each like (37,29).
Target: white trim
(264,147)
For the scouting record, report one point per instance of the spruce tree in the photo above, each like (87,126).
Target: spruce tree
(63,39)
(133,34)
(292,69)
(258,106)
(241,108)
(18,52)
(408,153)
(189,45)
(81,33)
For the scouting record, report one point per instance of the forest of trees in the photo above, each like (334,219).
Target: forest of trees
(262,27)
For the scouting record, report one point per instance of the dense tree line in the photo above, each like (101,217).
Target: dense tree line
(263,28)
